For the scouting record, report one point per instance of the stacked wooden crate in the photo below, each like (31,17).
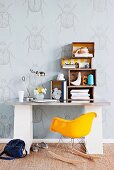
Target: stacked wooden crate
(80,64)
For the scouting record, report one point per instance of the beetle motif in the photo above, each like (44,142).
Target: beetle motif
(108,121)
(6,125)
(102,77)
(4,91)
(67,18)
(100,6)
(35,5)
(39,119)
(5,54)
(100,37)
(4,16)
(35,39)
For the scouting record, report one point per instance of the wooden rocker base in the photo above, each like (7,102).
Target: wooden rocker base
(61,158)
(84,155)
(75,152)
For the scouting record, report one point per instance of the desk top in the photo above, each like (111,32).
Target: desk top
(96,102)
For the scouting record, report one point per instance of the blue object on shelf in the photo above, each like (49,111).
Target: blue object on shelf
(90,79)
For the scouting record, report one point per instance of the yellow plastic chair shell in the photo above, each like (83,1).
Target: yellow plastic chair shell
(76,128)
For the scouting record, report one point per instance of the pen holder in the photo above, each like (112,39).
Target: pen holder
(21,96)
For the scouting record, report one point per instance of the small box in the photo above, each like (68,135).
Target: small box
(58,90)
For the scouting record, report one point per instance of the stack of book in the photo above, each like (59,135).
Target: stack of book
(84,55)
(80,94)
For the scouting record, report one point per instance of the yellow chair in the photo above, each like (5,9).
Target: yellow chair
(77,128)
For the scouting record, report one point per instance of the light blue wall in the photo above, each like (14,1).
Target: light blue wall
(36,36)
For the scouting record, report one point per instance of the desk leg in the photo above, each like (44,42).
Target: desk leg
(93,141)
(23,128)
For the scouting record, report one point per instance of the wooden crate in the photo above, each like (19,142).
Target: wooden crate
(78,45)
(91,92)
(74,63)
(73,75)
(60,85)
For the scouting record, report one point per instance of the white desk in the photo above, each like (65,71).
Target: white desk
(23,127)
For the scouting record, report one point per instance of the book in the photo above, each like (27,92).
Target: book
(84,55)
(80,97)
(64,91)
(80,91)
(79,94)
(69,66)
(44,101)
(79,101)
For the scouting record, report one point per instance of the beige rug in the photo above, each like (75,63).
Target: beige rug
(43,161)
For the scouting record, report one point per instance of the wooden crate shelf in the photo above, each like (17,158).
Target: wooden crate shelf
(73,75)
(78,45)
(90,91)
(81,61)
(76,63)
(82,86)
(81,99)
(58,89)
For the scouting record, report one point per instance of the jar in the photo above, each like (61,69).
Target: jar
(40,96)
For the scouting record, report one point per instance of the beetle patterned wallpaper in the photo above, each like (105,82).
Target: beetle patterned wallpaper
(34,34)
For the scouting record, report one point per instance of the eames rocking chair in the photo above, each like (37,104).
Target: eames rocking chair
(74,129)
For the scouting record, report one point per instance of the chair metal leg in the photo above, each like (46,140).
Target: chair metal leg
(58,143)
(76,144)
(60,139)
(82,154)
(82,143)
(85,155)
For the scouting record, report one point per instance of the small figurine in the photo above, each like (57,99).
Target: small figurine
(56,94)
(82,50)
(84,80)
(77,65)
(87,65)
(78,81)
(83,65)
(66,62)
(60,76)
(72,62)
